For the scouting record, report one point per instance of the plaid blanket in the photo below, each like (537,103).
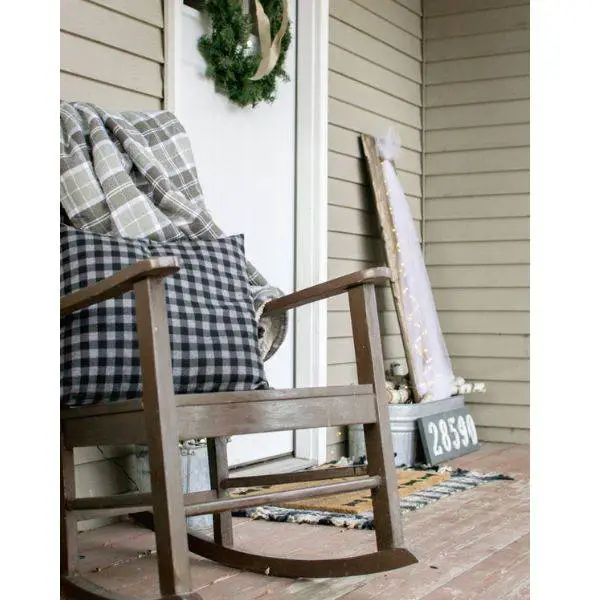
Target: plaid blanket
(132,174)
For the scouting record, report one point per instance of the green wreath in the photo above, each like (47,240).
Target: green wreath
(225,51)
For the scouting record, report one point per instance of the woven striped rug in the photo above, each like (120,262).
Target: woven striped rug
(417,488)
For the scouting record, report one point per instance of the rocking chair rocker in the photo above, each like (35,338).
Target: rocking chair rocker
(161,419)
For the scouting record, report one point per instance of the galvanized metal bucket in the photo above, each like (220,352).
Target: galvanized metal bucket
(195,475)
(405,432)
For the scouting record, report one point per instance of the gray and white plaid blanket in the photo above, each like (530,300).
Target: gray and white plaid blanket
(132,174)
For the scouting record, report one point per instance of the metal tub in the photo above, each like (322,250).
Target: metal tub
(195,476)
(405,432)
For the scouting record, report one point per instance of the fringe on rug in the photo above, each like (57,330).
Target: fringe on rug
(460,481)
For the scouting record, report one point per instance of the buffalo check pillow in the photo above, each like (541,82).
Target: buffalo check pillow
(212,326)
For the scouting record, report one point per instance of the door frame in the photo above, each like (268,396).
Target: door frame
(312,64)
(310,321)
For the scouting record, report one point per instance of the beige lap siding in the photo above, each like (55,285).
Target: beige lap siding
(111,54)
(375,82)
(476,207)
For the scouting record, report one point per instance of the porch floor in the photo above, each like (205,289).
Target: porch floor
(472,545)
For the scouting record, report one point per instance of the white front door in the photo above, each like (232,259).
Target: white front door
(246,165)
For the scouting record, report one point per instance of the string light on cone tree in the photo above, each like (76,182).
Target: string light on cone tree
(413,317)
(418,341)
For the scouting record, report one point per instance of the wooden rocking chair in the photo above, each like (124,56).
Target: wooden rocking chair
(160,419)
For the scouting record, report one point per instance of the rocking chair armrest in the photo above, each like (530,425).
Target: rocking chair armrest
(336,286)
(117,284)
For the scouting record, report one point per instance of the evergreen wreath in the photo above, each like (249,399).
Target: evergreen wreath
(225,51)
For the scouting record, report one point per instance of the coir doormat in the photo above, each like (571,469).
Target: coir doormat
(417,488)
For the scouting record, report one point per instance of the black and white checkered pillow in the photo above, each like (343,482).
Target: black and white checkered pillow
(212,326)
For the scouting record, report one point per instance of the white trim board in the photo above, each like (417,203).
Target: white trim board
(171,34)
(311,207)
(310,322)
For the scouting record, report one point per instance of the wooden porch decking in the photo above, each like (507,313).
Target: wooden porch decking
(474,544)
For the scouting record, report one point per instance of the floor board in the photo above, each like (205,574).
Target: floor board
(472,545)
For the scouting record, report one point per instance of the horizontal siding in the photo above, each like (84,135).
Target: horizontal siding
(373,50)
(86,58)
(476,21)
(379,77)
(504,435)
(110,28)
(75,87)
(486,44)
(112,53)
(477,161)
(348,168)
(397,15)
(415,6)
(473,69)
(343,88)
(481,321)
(479,230)
(472,92)
(346,142)
(375,82)
(509,112)
(477,253)
(476,138)
(361,120)
(476,207)
(146,11)
(498,415)
(477,184)
(460,345)
(479,276)
(364,15)
(436,8)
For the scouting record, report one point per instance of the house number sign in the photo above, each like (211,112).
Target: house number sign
(447,435)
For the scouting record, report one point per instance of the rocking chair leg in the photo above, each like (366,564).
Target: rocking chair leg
(69,553)
(219,470)
(378,438)
(161,427)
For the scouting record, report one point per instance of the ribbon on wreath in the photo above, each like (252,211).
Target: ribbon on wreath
(269,49)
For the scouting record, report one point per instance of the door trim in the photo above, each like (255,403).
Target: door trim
(312,39)
(171,36)
(312,56)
